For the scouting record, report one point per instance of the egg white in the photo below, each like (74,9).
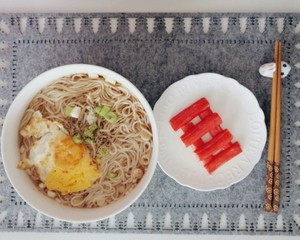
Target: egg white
(61,164)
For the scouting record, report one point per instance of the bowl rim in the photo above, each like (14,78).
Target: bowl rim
(21,102)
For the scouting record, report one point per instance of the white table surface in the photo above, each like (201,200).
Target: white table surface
(9,6)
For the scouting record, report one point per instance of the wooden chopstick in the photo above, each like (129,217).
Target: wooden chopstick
(276,181)
(273,163)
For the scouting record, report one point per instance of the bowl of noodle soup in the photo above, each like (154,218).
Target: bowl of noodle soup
(79,143)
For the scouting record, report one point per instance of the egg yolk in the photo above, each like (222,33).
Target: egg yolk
(74,170)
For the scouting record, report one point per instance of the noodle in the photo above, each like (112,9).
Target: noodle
(129,154)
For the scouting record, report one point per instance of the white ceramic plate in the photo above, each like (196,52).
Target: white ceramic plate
(241,114)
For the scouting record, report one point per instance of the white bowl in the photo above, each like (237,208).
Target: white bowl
(21,181)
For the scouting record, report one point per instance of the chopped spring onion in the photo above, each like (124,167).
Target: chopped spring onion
(103,151)
(111,175)
(89,132)
(97,110)
(104,111)
(77,139)
(111,117)
(72,111)
(88,141)
(91,117)
(75,112)
(68,111)
(93,126)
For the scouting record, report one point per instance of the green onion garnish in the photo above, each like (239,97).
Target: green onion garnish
(93,126)
(104,111)
(103,151)
(77,139)
(111,117)
(68,111)
(88,141)
(97,110)
(89,132)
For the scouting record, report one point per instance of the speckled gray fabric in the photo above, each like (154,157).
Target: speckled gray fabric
(153,61)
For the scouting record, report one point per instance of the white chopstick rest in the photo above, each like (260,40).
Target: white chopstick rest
(268,69)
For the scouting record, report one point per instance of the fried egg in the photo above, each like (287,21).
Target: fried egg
(62,165)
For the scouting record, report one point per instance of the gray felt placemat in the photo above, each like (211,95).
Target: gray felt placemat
(152,61)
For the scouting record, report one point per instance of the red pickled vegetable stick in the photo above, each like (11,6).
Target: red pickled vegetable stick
(217,143)
(211,156)
(206,157)
(188,114)
(215,131)
(201,128)
(227,145)
(198,143)
(206,160)
(223,157)
(204,114)
(188,126)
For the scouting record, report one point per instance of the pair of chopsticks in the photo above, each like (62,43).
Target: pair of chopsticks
(273,164)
